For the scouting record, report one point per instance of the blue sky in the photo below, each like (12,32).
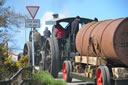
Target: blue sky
(102,9)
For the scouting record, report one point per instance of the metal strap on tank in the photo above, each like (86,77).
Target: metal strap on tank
(89,38)
(99,50)
(83,34)
(91,34)
(96,54)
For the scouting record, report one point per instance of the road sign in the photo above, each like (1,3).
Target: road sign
(32,10)
(32,23)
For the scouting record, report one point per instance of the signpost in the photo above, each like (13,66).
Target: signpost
(32,23)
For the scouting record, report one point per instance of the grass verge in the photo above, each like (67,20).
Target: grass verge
(46,79)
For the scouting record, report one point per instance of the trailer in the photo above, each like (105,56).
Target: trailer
(102,59)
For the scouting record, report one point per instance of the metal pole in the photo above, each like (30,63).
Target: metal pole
(33,58)
(24,35)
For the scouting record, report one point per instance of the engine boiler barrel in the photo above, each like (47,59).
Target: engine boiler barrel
(107,38)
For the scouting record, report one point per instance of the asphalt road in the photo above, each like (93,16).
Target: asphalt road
(75,81)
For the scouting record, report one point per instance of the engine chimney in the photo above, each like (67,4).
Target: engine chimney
(55,16)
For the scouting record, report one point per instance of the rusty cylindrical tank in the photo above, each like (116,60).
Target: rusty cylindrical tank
(108,39)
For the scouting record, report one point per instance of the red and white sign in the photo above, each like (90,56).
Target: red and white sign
(32,10)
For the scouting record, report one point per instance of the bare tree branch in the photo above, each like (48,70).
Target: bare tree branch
(9,22)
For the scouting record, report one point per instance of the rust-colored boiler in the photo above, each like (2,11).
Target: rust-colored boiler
(107,38)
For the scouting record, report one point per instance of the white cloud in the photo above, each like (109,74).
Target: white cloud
(45,17)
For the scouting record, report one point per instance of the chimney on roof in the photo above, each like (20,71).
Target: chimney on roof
(55,16)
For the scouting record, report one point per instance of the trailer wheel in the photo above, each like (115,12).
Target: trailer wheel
(103,76)
(66,71)
(70,70)
(108,75)
(51,62)
(28,52)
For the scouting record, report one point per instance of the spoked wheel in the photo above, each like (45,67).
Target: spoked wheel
(103,76)
(58,57)
(51,61)
(28,52)
(42,62)
(67,68)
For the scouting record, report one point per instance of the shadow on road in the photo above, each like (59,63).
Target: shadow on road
(86,84)
(79,82)
(75,81)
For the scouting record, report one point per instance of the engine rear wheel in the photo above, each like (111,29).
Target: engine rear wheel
(51,61)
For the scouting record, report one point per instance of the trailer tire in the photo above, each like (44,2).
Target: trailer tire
(101,76)
(51,62)
(108,75)
(66,71)
(70,70)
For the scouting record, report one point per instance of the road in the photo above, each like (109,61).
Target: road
(75,81)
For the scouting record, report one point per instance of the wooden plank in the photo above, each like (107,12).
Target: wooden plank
(120,72)
(77,59)
(89,59)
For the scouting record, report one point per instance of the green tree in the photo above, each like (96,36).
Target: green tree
(9,22)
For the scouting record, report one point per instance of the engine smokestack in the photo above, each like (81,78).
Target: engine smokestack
(55,16)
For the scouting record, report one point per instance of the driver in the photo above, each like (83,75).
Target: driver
(59,32)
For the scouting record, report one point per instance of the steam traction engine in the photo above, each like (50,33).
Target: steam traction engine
(100,55)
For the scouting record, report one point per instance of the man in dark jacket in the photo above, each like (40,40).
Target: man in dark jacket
(74,30)
(75,27)
(47,33)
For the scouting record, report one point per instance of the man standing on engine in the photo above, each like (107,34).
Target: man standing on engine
(47,33)
(74,29)
(60,34)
